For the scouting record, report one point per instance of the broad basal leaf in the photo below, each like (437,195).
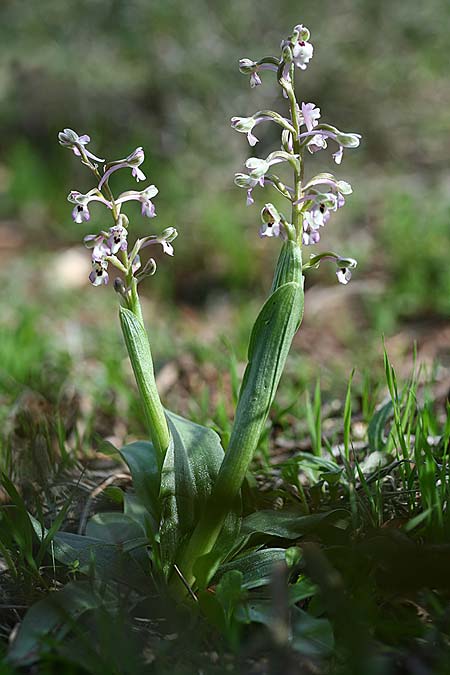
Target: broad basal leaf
(256,567)
(288,524)
(142,460)
(52,616)
(190,468)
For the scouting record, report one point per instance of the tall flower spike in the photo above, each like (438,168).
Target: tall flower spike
(314,200)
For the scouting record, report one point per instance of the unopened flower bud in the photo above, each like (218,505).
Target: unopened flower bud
(286,52)
(119,286)
(123,221)
(169,234)
(301,33)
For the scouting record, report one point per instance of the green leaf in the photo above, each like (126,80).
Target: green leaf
(207,565)
(55,614)
(138,347)
(142,460)
(190,468)
(268,349)
(256,567)
(306,460)
(107,560)
(302,589)
(288,525)
(113,528)
(375,432)
(229,591)
(311,636)
(20,524)
(292,555)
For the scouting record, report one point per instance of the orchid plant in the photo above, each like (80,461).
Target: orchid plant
(188,487)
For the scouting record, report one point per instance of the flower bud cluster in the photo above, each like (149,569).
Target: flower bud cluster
(312,201)
(111,246)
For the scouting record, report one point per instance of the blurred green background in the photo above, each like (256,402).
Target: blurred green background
(163,74)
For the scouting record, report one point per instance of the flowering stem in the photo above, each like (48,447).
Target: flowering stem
(96,172)
(298,150)
(138,347)
(271,338)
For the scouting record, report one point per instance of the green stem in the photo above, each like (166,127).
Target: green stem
(138,347)
(298,150)
(256,396)
(271,338)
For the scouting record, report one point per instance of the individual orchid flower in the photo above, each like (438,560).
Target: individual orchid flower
(302,50)
(117,239)
(99,274)
(310,234)
(311,115)
(315,138)
(245,125)
(330,180)
(259,167)
(70,139)
(145,197)
(297,49)
(243,180)
(98,242)
(81,212)
(133,162)
(312,220)
(271,221)
(344,271)
(252,68)
(165,239)
(319,214)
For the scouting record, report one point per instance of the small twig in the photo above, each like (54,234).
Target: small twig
(185,583)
